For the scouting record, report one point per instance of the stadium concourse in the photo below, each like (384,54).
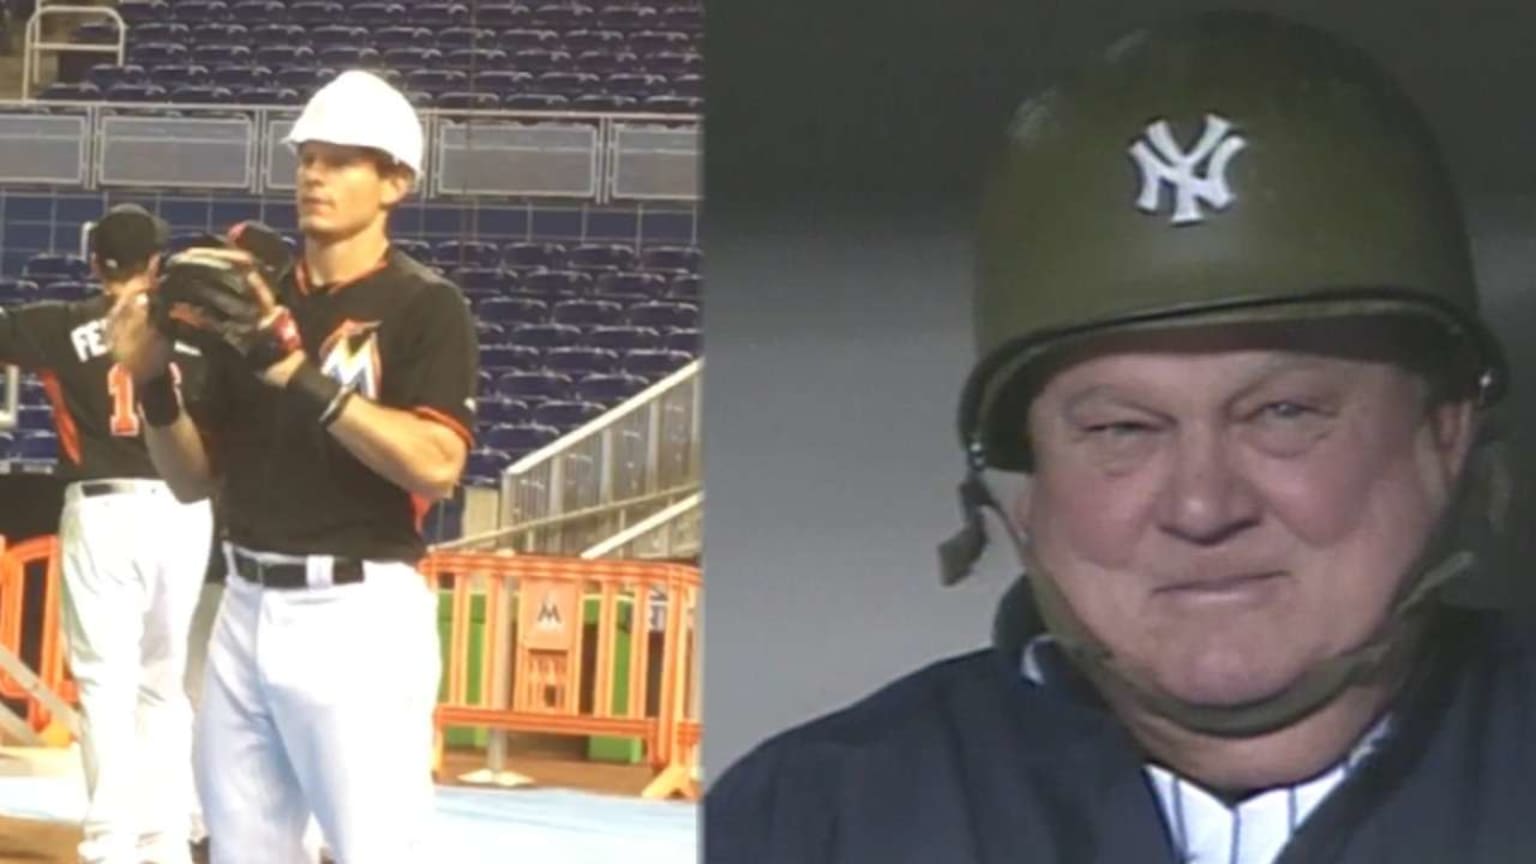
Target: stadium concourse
(582,301)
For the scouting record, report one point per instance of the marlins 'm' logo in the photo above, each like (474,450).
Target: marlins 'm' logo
(351,357)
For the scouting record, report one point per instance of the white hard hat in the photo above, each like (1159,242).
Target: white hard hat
(360,109)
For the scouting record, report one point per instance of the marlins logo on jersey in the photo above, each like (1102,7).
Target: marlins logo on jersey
(350,356)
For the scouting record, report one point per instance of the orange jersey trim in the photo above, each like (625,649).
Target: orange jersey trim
(455,426)
(420,506)
(69,435)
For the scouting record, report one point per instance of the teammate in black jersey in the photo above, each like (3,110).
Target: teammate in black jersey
(133,557)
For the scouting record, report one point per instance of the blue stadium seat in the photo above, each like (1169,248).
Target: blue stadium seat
(561,16)
(664,315)
(502,410)
(566,415)
(627,17)
(488,332)
(603,62)
(601,102)
(201,94)
(636,85)
(501,358)
(484,279)
(401,36)
(687,19)
(690,86)
(315,13)
(534,386)
(502,16)
(654,365)
(412,57)
(65,290)
(467,101)
(535,101)
(533,256)
(157,53)
(450,38)
(520,439)
(500,81)
(268,95)
(655,41)
(220,54)
(484,381)
(568,84)
(104,75)
(219,32)
(34,417)
(578,361)
(476,59)
(557,283)
(540,60)
(278,35)
(280,56)
(689,288)
(162,31)
(332,33)
(439,15)
(346,56)
(36,445)
(136,12)
(14,291)
(470,253)
(514,310)
(671,258)
(602,256)
(670,104)
(687,341)
(624,338)
(609,389)
(303,78)
(528,39)
(483,465)
(239,77)
(672,63)
(172,75)
(96,33)
(136,93)
(254,13)
(53,267)
(199,11)
(420,250)
(652,285)
(587,313)
(577,41)
(546,336)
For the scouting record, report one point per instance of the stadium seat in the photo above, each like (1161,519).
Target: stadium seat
(689,86)
(136,12)
(534,386)
(255,13)
(411,57)
(36,445)
(201,94)
(535,101)
(489,332)
(514,310)
(654,41)
(687,341)
(603,62)
(466,253)
(52,267)
(96,33)
(500,81)
(173,75)
(546,336)
(13,291)
(450,38)
(636,85)
(599,102)
(478,60)
(501,358)
(533,256)
(136,93)
(667,103)
(219,54)
(158,53)
(519,439)
(557,283)
(332,33)
(467,101)
(540,60)
(672,63)
(671,258)
(280,56)
(420,250)
(401,37)
(376,15)
(559,16)
(315,13)
(303,78)
(687,19)
(624,338)
(662,314)
(162,31)
(498,409)
(347,56)
(567,84)
(483,465)
(654,365)
(652,285)
(578,361)
(267,95)
(688,288)
(577,41)
(609,389)
(104,75)
(587,313)
(65,291)
(439,16)
(239,77)
(528,39)
(566,415)
(502,16)
(627,18)
(484,381)
(199,11)
(484,279)
(219,32)
(34,417)
(602,256)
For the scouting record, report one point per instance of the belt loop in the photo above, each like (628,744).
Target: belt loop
(319,571)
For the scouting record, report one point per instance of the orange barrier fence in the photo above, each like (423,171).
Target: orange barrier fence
(557,683)
(52,670)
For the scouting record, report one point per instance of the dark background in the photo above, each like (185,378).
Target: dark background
(844,144)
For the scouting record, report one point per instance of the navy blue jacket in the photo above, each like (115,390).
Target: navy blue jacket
(966,763)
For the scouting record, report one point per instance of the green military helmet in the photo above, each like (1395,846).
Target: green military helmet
(1223,167)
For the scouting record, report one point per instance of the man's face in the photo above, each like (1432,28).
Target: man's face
(1224,515)
(341,190)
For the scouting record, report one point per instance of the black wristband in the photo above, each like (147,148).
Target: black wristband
(159,401)
(316,394)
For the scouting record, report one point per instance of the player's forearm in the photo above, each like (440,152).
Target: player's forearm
(178,453)
(417,454)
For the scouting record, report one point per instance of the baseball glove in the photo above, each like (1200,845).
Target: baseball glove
(209,300)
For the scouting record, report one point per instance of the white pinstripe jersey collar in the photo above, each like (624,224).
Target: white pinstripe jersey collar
(1205,830)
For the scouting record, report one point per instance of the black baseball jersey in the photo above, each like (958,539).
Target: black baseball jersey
(94,409)
(401,336)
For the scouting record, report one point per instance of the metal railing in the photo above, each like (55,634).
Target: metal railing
(519,154)
(671,533)
(33,45)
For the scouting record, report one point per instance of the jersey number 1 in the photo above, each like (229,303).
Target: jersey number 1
(125,417)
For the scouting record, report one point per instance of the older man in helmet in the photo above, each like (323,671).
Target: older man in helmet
(1231,343)
(323,667)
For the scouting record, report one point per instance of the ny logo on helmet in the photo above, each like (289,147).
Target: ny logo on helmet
(1161,161)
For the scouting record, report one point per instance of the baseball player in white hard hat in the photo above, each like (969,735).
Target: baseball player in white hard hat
(340,410)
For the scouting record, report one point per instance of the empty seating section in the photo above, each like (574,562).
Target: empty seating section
(643,56)
(566,331)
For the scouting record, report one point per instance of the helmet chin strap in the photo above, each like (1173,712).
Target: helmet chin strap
(1438,565)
